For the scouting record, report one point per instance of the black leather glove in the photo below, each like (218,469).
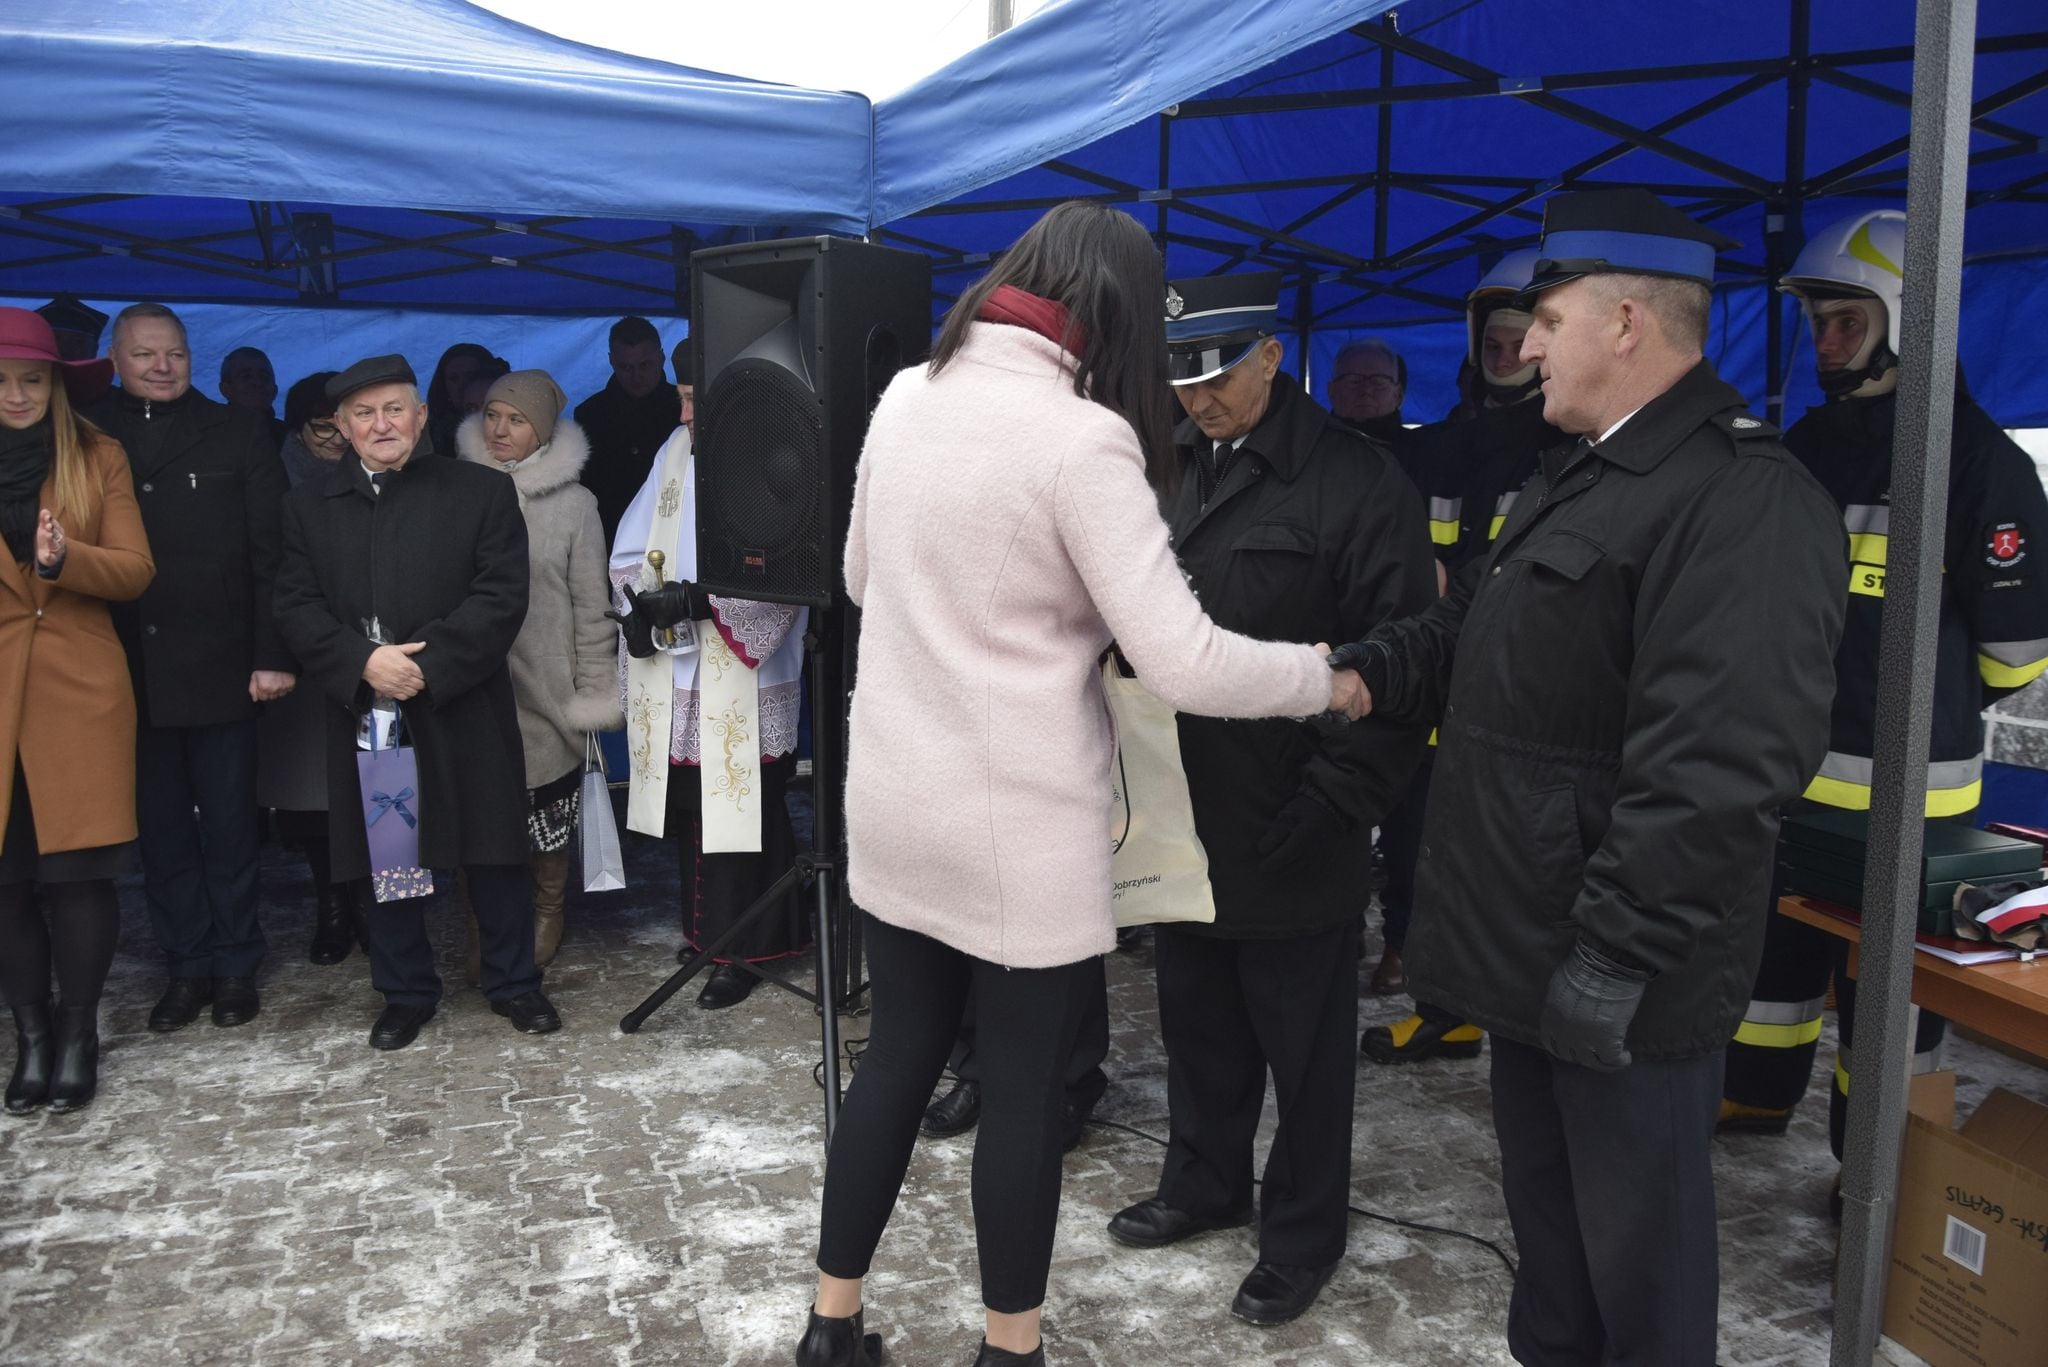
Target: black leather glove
(1307,824)
(1588,1007)
(657,609)
(1368,658)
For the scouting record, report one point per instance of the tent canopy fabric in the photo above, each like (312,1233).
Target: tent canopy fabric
(1386,165)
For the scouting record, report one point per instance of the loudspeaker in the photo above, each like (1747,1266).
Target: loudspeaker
(793,343)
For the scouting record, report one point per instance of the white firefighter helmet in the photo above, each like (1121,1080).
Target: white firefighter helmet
(1498,289)
(1861,254)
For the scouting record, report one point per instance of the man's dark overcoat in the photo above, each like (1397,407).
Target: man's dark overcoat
(439,557)
(1313,534)
(208,481)
(1630,684)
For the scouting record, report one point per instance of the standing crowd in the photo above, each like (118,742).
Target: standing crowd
(1594,632)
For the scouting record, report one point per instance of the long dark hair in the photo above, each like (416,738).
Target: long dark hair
(1101,265)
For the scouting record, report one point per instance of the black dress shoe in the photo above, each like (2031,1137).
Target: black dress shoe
(1154,1224)
(838,1343)
(399,1025)
(234,1001)
(180,1004)
(728,986)
(333,927)
(35,1054)
(991,1356)
(75,1075)
(954,1113)
(1274,1293)
(530,1013)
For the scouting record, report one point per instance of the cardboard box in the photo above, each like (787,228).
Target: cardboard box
(1969,1268)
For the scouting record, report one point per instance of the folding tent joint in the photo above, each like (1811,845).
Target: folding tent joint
(113,249)
(1159,196)
(9,211)
(1518,85)
(504,261)
(507,226)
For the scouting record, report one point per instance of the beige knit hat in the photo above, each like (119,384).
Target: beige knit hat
(534,393)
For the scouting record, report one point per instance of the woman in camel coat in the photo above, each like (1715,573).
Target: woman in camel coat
(74,543)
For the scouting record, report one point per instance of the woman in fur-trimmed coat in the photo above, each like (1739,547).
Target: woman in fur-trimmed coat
(565,663)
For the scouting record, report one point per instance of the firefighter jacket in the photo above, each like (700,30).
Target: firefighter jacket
(1993,633)
(1643,667)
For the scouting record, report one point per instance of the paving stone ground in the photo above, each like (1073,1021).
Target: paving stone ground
(279,1193)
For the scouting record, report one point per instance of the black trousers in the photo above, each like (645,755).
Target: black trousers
(717,888)
(199,871)
(1609,1181)
(1029,1018)
(1401,843)
(402,959)
(1084,1079)
(1230,1010)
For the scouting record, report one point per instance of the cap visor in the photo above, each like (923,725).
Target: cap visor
(1194,363)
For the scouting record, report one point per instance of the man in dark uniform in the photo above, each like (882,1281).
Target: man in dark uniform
(628,420)
(77,324)
(203,650)
(1643,664)
(1292,527)
(406,580)
(1993,635)
(1487,449)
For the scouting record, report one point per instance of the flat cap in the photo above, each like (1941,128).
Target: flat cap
(1627,232)
(1214,321)
(373,371)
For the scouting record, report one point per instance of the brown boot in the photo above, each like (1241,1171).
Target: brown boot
(550,888)
(473,956)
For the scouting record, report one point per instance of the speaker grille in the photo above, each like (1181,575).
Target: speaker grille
(765,488)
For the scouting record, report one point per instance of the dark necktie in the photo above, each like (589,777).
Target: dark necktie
(377,482)
(1220,459)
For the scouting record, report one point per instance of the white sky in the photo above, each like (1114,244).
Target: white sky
(876,47)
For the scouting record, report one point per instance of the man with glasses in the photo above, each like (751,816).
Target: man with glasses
(1368,383)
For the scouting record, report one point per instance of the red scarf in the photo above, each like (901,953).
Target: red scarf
(1008,304)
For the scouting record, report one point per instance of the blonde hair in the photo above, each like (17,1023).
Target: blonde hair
(71,436)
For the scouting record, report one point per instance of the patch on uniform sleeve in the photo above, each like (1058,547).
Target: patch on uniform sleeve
(2005,544)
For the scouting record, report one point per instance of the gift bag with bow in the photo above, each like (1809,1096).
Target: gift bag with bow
(389,778)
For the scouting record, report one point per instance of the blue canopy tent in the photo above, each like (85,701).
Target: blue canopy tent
(1384,156)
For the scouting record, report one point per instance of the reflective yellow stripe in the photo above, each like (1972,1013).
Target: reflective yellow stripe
(1432,735)
(1868,548)
(1867,580)
(1777,1036)
(1855,797)
(1443,533)
(1842,1072)
(1493,528)
(2001,675)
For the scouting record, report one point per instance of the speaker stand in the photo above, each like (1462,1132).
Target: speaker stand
(822,866)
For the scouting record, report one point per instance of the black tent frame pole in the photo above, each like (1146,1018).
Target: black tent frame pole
(1938,171)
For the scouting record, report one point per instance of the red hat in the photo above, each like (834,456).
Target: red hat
(25,336)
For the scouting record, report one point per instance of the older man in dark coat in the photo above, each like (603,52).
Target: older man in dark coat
(434,555)
(1292,527)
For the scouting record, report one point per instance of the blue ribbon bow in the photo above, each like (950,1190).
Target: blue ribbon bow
(386,802)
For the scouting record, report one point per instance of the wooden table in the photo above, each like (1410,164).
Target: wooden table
(2007,1000)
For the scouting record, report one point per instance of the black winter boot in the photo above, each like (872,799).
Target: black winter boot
(838,1343)
(992,1356)
(35,1049)
(77,1073)
(332,930)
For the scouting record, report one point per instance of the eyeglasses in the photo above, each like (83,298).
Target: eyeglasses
(1371,384)
(322,431)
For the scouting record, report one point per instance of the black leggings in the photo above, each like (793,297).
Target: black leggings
(1026,1021)
(74,929)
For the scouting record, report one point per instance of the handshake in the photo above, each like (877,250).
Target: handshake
(657,610)
(1349,696)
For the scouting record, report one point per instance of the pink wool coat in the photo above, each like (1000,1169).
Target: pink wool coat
(1002,535)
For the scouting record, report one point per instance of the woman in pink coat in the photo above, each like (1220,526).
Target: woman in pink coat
(1005,530)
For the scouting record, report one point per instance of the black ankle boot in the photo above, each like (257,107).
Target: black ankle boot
(77,1073)
(1000,1357)
(838,1343)
(332,930)
(35,1048)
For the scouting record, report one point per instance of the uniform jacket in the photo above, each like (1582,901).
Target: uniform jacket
(1002,533)
(1993,633)
(69,713)
(624,433)
(1496,449)
(209,485)
(1643,666)
(565,664)
(439,557)
(1313,535)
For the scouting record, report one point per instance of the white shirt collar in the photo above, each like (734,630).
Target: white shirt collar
(1618,426)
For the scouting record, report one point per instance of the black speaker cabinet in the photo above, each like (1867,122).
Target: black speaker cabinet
(793,342)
